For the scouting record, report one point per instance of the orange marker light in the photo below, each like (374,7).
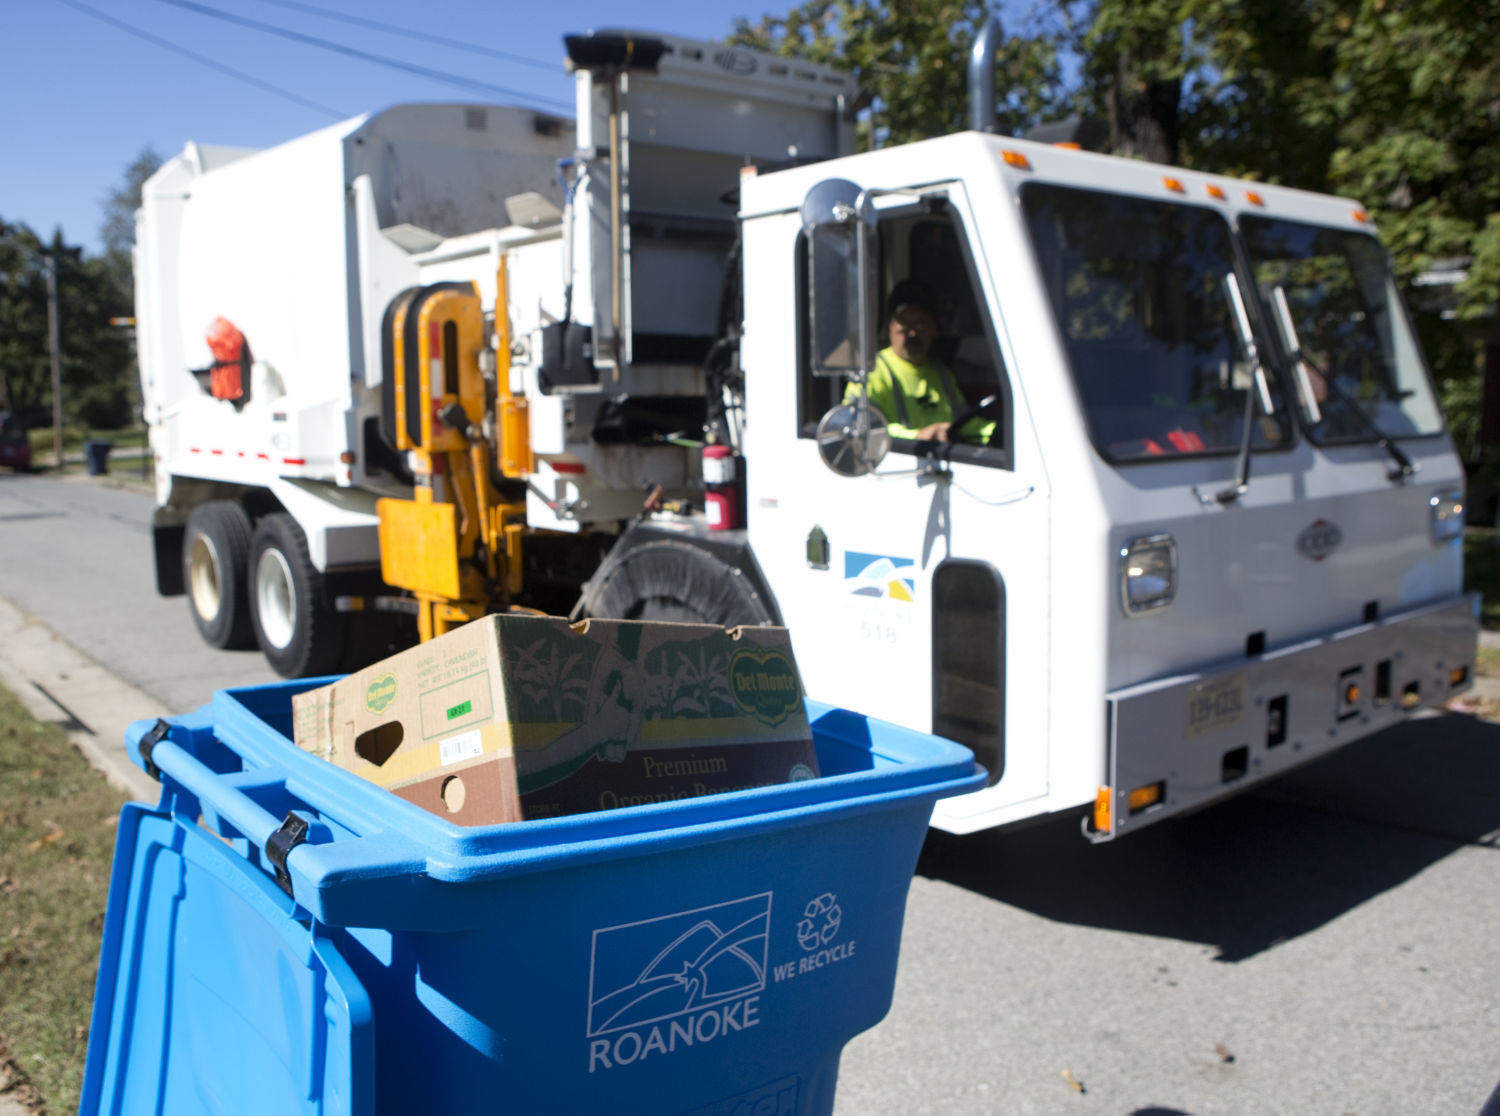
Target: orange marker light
(1016,159)
(1351,695)
(1142,797)
(1069,144)
(1253,198)
(1216,192)
(1174,184)
(1361,216)
(1102,802)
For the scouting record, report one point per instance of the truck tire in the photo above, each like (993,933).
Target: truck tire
(678,582)
(297,629)
(215,552)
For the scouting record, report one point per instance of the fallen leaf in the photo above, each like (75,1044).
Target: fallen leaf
(54,835)
(1073,1082)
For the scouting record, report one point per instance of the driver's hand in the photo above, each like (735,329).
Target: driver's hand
(934,432)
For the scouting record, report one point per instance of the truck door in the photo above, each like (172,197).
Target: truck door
(916,593)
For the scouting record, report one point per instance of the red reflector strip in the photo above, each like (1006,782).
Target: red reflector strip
(216,452)
(194,449)
(294,461)
(434,339)
(568,467)
(263,456)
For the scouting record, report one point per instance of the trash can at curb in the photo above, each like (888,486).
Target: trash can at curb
(284,937)
(96,456)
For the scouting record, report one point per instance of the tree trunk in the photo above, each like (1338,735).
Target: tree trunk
(1143,115)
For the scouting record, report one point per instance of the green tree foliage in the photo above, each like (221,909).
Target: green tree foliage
(912,58)
(118,230)
(95,355)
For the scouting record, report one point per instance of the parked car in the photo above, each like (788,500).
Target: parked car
(15,450)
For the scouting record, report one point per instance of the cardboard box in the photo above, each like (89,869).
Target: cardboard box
(519,717)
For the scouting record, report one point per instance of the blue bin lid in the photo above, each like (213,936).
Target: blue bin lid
(211,996)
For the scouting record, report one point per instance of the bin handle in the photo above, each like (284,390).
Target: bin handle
(261,827)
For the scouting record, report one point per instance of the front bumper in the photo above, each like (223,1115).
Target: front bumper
(1183,742)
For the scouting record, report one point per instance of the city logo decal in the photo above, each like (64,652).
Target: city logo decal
(879,575)
(380,693)
(663,984)
(1319,539)
(764,684)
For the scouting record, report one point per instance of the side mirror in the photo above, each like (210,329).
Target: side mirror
(839,221)
(853,438)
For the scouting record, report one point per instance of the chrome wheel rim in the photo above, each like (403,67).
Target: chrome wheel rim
(275,598)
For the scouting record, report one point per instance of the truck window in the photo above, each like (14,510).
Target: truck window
(928,245)
(1138,289)
(1348,322)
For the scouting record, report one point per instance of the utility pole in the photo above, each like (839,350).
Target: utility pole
(57,431)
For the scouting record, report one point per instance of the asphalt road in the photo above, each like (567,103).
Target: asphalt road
(1325,945)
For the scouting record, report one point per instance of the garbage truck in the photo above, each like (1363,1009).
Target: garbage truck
(1196,519)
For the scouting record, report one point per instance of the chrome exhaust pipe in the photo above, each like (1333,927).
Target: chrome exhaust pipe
(982,77)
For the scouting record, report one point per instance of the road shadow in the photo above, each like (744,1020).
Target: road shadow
(1264,867)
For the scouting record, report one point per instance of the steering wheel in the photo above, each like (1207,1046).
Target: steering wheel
(971,413)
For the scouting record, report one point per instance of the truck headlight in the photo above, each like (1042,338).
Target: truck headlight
(1148,573)
(1447,515)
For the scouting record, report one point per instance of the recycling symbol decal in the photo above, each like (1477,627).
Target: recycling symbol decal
(820,922)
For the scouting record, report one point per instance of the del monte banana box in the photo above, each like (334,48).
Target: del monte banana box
(518,717)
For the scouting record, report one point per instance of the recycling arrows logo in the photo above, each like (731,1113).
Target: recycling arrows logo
(820,922)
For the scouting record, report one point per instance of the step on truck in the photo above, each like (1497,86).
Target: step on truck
(1198,519)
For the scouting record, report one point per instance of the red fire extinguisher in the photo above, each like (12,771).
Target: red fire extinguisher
(720,501)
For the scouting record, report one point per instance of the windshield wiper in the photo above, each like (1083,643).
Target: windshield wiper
(1404,467)
(1258,388)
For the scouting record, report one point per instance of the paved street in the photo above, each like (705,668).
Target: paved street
(1326,945)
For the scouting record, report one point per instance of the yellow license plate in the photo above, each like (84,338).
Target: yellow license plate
(1215,705)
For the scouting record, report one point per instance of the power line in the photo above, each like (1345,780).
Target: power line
(409,33)
(209,62)
(364,56)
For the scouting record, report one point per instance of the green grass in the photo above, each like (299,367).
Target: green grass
(57,833)
(40,438)
(1482,571)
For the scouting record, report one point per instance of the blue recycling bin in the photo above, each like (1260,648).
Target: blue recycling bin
(284,937)
(96,456)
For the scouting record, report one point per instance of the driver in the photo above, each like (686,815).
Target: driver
(917,395)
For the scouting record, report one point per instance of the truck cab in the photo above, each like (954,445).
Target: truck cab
(1212,527)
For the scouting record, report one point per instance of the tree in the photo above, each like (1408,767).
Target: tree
(912,58)
(94,354)
(118,230)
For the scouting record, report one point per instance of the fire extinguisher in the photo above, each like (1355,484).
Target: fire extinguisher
(720,500)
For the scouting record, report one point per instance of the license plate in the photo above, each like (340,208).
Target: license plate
(1215,705)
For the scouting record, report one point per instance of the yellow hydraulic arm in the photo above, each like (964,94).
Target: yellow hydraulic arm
(456,546)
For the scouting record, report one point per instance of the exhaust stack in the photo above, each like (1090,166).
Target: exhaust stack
(982,77)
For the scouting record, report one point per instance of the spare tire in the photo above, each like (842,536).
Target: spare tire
(675,581)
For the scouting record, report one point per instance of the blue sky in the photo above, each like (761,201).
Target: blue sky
(79,98)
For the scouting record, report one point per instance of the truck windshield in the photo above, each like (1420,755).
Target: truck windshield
(1332,296)
(1139,291)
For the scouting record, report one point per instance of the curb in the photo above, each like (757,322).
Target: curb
(60,685)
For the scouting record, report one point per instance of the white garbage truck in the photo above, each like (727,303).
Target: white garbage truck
(1199,520)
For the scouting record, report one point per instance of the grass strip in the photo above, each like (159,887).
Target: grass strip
(57,832)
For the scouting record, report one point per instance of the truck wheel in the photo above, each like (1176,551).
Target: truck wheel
(677,582)
(214,573)
(298,631)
